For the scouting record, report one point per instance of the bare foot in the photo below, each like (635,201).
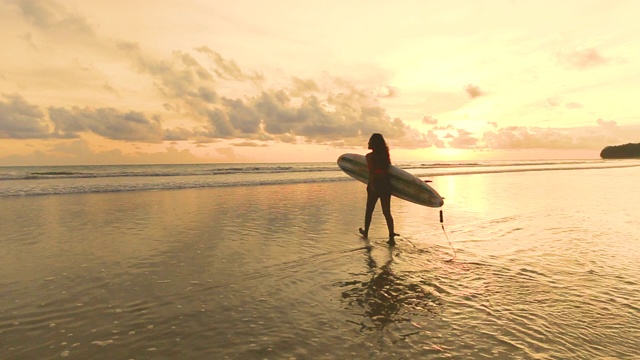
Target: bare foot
(392,240)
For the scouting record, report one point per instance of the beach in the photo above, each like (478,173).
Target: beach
(546,267)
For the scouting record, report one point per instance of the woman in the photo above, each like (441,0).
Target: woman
(379,186)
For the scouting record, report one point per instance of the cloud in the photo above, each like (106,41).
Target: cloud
(556,102)
(553,102)
(448,127)
(413,139)
(249,144)
(594,138)
(180,77)
(464,140)
(28,39)
(178,134)
(581,59)
(386,91)
(517,137)
(274,114)
(52,25)
(227,152)
(49,16)
(107,122)
(200,88)
(573,105)
(607,124)
(473,91)
(297,110)
(79,152)
(228,69)
(429,120)
(618,134)
(21,120)
(301,87)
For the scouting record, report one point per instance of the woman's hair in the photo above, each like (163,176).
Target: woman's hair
(381,157)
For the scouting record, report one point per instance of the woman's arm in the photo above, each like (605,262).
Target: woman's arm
(369,158)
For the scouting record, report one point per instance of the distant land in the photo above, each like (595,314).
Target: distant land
(626,151)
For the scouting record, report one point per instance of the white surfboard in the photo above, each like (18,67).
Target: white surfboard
(403,185)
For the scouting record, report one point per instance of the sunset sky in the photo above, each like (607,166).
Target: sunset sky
(159,81)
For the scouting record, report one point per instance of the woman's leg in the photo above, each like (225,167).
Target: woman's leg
(372,199)
(385,201)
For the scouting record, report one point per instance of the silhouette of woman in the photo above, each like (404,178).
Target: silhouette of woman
(379,186)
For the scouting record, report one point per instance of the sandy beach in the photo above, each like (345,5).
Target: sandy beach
(546,267)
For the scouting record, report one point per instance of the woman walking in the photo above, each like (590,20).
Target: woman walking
(379,186)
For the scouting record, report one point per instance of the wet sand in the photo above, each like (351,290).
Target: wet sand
(546,267)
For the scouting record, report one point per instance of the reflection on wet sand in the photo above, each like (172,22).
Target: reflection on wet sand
(387,297)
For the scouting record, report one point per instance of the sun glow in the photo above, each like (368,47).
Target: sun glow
(453,154)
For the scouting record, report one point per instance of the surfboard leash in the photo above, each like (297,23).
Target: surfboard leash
(447,237)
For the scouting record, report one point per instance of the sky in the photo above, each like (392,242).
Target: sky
(193,81)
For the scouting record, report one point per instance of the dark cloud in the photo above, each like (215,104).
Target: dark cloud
(178,134)
(207,95)
(581,59)
(52,25)
(245,119)
(297,111)
(220,126)
(21,120)
(181,77)
(473,91)
(107,122)
(228,69)
(300,87)
(50,16)
(195,85)
(273,113)
(249,144)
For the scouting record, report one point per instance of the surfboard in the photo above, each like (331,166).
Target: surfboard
(403,185)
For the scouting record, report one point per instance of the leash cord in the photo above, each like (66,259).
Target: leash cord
(447,237)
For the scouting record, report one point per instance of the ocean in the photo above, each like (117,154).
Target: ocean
(50,180)
(534,260)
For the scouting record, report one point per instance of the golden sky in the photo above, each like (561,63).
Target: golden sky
(101,82)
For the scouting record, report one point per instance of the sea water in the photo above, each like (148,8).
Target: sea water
(49,180)
(255,261)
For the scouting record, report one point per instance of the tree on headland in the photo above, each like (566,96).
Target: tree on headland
(626,151)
